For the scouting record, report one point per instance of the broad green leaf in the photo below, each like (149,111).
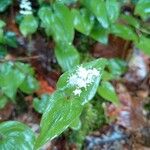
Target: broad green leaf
(107,91)
(130,20)
(4,4)
(16,136)
(113,10)
(64,107)
(143,9)
(10,79)
(41,105)
(28,25)
(67,56)
(29,85)
(98,8)
(3,101)
(99,34)
(124,32)
(83,20)
(144,44)
(60,113)
(2,23)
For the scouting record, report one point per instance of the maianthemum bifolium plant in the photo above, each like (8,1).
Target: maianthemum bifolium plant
(60,19)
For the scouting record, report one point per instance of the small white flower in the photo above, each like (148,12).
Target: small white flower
(25,7)
(81,83)
(82,72)
(77,92)
(82,78)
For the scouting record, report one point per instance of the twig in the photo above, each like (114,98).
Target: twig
(20,58)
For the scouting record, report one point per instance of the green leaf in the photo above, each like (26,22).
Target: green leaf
(16,136)
(98,8)
(46,16)
(143,44)
(10,79)
(4,4)
(107,76)
(3,51)
(24,68)
(10,39)
(113,10)
(61,12)
(64,107)
(67,2)
(59,114)
(67,56)
(3,101)
(28,25)
(116,67)
(83,20)
(143,9)
(107,91)
(124,32)
(56,24)
(2,23)
(130,20)
(41,105)
(99,34)
(29,85)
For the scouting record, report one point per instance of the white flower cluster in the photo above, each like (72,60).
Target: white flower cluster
(25,7)
(82,78)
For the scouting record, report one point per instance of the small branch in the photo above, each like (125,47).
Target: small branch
(21,58)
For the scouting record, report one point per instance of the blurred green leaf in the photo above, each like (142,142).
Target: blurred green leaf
(144,44)
(124,32)
(67,56)
(116,67)
(46,15)
(56,24)
(3,101)
(4,4)
(107,91)
(16,136)
(143,9)
(130,20)
(28,25)
(2,23)
(10,79)
(10,39)
(40,105)
(29,85)
(99,34)
(83,21)
(98,8)
(67,2)
(3,51)
(113,10)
